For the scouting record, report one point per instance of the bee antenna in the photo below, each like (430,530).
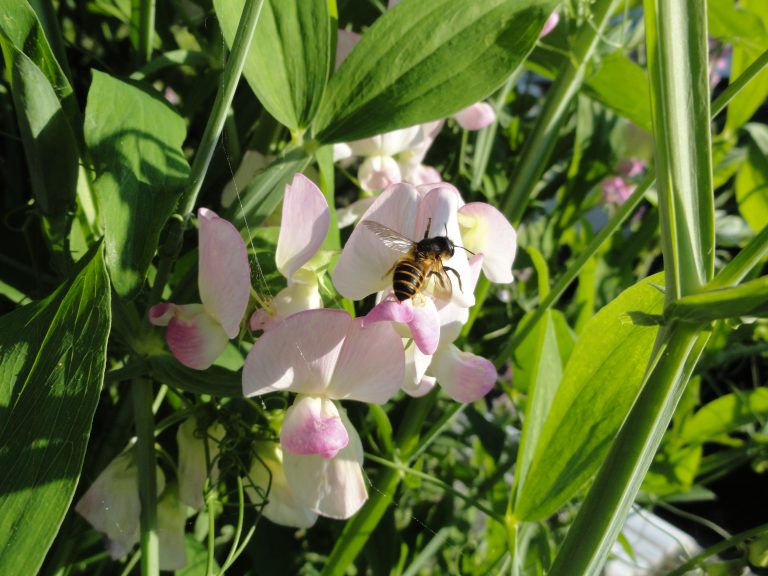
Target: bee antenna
(462,247)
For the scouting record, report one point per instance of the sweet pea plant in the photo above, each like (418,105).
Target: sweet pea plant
(207,367)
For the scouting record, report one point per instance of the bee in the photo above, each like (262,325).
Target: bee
(422,260)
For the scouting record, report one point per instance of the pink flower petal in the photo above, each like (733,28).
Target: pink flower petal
(389,143)
(364,262)
(333,487)
(347,40)
(267,473)
(421,175)
(161,314)
(298,354)
(370,367)
(550,24)
(193,466)
(425,325)
(452,316)
(390,311)
(194,337)
(415,383)
(486,231)
(304,225)
(351,214)
(224,276)
(464,376)
(378,172)
(312,426)
(476,116)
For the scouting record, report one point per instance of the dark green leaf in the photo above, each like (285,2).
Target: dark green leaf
(263,194)
(52,360)
(19,27)
(424,61)
(49,143)
(289,60)
(600,382)
(135,140)
(216,381)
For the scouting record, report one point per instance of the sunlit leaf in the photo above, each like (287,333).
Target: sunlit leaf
(52,360)
(752,179)
(423,61)
(288,64)
(600,382)
(726,414)
(135,140)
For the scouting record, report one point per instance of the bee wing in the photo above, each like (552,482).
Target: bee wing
(389,237)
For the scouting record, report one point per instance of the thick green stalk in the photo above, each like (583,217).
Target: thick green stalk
(603,511)
(676,44)
(146,29)
(541,142)
(144,420)
(213,129)
(360,527)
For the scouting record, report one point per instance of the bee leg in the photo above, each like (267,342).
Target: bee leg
(440,279)
(449,269)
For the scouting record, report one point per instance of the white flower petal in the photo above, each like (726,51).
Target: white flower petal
(334,487)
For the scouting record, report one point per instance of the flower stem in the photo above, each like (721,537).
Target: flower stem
(213,129)
(360,527)
(145,459)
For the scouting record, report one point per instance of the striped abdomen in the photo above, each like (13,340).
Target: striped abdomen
(408,278)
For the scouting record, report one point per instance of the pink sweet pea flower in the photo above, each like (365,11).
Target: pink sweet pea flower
(198,333)
(464,376)
(325,356)
(304,225)
(365,261)
(550,24)
(112,506)
(193,465)
(267,475)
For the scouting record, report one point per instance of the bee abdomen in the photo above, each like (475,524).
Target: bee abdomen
(407,280)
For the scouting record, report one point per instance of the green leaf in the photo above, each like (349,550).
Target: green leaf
(289,60)
(52,360)
(753,24)
(263,194)
(19,27)
(544,371)
(748,299)
(216,381)
(752,179)
(135,140)
(49,142)
(725,415)
(600,382)
(676,42)
(424,61)
(622,85)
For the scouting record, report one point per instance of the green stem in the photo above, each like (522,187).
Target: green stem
(734,540)
(146,29)
(750,256)
(486,136)
(360,527)
(213,129)
(539,145)
(144,420)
